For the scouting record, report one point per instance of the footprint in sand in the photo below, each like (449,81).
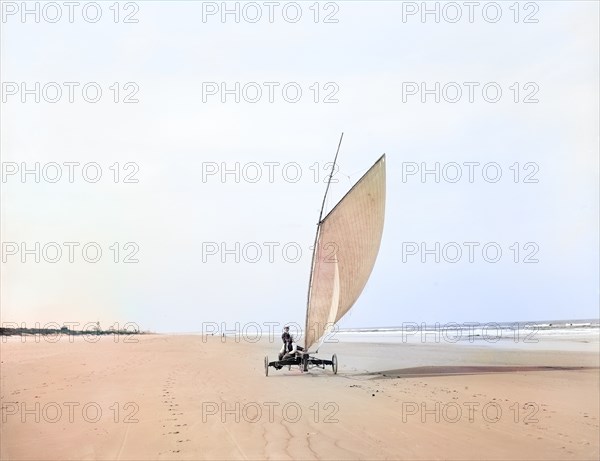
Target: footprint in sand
(172,407)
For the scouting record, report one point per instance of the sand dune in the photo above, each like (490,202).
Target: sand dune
(188,397)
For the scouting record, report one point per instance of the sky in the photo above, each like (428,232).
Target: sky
(182,156)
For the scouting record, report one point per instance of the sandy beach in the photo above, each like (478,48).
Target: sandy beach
(194,397)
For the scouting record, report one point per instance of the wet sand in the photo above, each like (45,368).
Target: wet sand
(189,397)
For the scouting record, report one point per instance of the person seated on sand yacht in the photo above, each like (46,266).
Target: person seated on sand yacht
(292,349)
(286,337)
(289,348)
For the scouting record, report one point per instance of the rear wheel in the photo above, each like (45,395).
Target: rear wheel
(266,365)
(334,364)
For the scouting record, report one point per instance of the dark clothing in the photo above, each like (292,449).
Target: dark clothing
(287,341)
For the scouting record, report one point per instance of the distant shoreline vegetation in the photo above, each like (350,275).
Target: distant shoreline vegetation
(94,331)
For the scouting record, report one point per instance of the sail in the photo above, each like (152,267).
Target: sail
(348,240)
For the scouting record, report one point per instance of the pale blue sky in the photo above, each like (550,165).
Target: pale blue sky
(170,134)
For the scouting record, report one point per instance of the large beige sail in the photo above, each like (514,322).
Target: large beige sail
(347,245)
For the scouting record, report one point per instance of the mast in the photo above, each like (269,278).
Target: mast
(312,264)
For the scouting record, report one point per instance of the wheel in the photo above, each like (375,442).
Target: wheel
(334,364)
(266,365)
(305,363)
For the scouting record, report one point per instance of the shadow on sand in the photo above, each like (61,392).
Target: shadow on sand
(432,371)
(428,371)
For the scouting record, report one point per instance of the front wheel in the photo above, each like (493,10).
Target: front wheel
(334,364)
(266,365)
